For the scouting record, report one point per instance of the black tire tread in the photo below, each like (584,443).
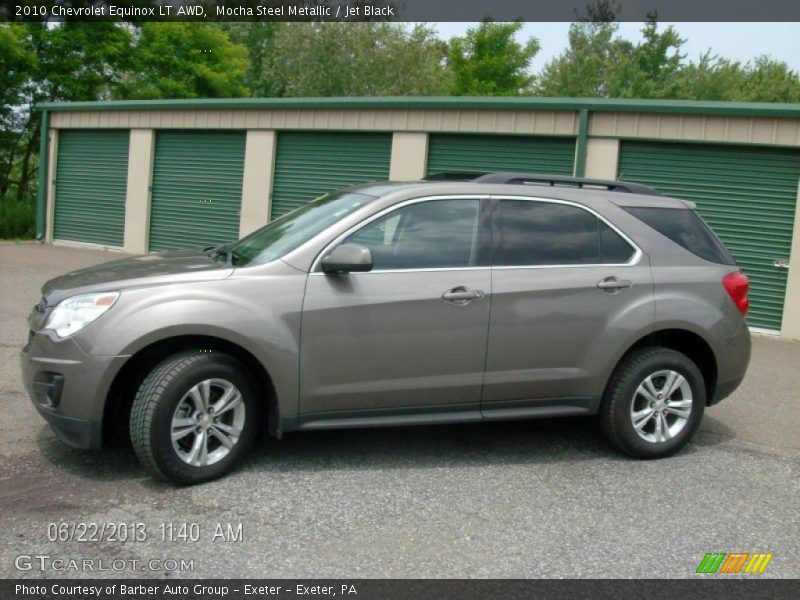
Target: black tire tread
(146,401)
(614,392)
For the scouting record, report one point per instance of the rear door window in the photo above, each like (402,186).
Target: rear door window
(538,233)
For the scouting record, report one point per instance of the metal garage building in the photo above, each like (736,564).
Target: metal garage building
(156,175)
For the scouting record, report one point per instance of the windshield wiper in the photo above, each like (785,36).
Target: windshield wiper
(220,250)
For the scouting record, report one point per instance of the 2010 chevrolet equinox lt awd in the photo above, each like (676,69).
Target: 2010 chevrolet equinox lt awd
(503,297)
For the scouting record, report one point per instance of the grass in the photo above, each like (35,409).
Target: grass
(17,220)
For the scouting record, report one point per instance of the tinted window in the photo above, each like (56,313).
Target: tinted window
(613,249)
(426,235)
(543,233)
(686,228)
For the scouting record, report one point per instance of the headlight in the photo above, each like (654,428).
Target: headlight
(73,314)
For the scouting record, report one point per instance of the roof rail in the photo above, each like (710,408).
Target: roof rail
(564,180)
(454,176)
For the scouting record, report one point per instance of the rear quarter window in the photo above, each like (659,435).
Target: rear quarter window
(687,229)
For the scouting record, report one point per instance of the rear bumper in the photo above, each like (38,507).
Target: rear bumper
(733,359)
(724,390)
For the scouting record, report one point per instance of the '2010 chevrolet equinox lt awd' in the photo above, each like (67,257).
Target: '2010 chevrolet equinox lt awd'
(503,297)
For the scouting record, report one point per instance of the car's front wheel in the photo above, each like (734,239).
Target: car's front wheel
(194,416)
(654,403)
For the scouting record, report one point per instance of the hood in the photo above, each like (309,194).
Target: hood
(149,270)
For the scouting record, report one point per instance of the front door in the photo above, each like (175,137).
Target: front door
(408,337)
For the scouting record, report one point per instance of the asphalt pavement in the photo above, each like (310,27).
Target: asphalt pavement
(545,498)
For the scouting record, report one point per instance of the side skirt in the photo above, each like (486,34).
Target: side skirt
(501,411)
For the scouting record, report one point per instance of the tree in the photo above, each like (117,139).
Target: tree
(583,69)
(16,62)
(41,63)
(715,78)
(599,63)
(184,60)
(353,59)
(488,61)
(259,39)
(649,69)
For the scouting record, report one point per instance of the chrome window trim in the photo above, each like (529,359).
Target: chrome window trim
(389,209)
(635,259)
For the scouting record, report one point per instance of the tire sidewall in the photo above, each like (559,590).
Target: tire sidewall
(214,366)
(664,360)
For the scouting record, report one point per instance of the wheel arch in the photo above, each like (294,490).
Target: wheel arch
(688,343)
(130,376)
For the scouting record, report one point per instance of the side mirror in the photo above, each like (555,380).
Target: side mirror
(347,258)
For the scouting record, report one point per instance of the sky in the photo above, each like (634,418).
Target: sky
(736,41)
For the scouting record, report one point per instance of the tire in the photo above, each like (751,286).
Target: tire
(629,400)
(170,400)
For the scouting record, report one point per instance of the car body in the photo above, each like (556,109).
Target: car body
(406,303)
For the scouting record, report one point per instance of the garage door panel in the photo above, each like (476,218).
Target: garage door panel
(747,194)
(309,164)
(451,153)
(91,186)
(197,188)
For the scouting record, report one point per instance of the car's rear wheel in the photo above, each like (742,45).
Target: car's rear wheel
(194,417)
(654,403)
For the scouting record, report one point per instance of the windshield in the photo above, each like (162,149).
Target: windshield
(295,228)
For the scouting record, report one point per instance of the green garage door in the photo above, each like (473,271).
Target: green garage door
(90,187)
(486,153)
(197,188)
(309,164)
(746,194)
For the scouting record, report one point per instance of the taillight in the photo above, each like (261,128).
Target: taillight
(737,285)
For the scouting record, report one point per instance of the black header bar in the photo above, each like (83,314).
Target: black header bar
(393,10)
(395,589)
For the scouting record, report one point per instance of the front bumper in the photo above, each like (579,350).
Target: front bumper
(68,387)
(78,433)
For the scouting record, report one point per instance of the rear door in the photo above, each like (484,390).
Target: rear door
(408,337)
(566,287)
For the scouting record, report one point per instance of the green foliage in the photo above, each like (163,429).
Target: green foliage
(350,59)
(488,61)
(259,40)
(714,78)
(650,68)
(598,63)
(17,219)
(16,62)
(78,61)
(184,60)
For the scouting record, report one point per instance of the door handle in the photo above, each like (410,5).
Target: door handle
(461,295)
(613,284)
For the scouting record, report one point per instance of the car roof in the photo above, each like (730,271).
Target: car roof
(400,191)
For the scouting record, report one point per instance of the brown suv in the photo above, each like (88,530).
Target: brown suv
(509,296)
